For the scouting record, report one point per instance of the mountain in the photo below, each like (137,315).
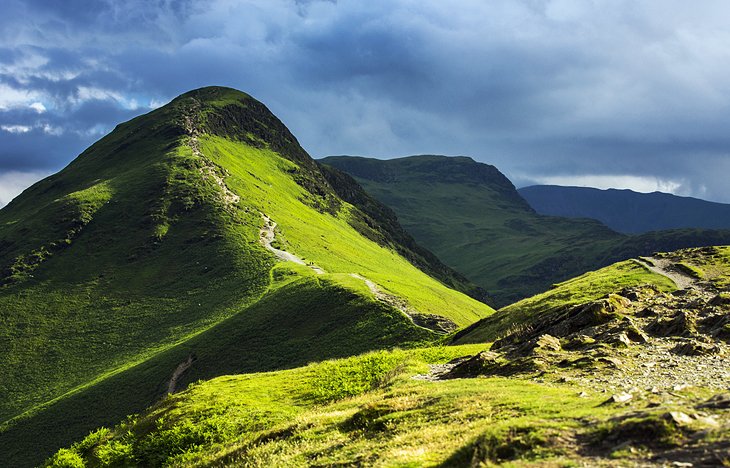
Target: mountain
(622,366)
(195,241)
(472,217)
(627,211)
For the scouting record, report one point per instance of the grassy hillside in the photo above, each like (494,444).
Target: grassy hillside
(624,366)
(628,211)
(142,260)
(369,410)
(471,216)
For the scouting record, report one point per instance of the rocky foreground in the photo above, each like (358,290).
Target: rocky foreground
(665,355)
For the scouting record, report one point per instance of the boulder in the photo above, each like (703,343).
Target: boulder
(696,348)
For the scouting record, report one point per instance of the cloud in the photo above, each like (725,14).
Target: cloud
(545,89)
(604,181)
(14,182)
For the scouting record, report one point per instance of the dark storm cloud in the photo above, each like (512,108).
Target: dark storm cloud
(621,92)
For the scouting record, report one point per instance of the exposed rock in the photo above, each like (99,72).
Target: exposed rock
(618,398)
(723,332)
(611,361)
(720,401)
(678,418)
(648,312)
(633,332)
(622,341)
(579,342)
(434,322)
(548,343)
(683,420)
(483,363)
(721,300)
(695,348)
(682,324)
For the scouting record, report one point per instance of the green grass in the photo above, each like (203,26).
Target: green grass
(384,419)
(587,287)
(367,409)
(129,261)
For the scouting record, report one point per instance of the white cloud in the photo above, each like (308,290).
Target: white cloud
(12,183)
(38,107)
(51,130)
(16,128)
(644,184)
(11,97)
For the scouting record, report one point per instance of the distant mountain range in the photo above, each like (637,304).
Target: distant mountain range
(628,211)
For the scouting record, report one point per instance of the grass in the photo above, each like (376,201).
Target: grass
(368,410)
(129,261)
(587,287)
(292,418)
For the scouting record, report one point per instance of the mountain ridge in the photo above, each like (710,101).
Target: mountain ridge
(628,211)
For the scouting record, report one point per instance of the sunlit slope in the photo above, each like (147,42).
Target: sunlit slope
(303,318)
(329,241)
(570,397)
(124,252)
(365,410)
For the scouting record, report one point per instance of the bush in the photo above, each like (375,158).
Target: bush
(65,458)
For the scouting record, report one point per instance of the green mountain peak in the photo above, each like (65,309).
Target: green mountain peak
(196,240)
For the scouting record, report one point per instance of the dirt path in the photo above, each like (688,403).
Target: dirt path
(437,372)
(435,323)
(179,370)
(665,267)
(267,235)
(209,169)
(382,296)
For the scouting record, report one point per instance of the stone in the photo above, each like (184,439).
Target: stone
(722,299)
(696,348)
(548,343)
(679,419)
(579,342)
(483,363)
(611,361)
(719,401)
(636,335)
(622,341)
(682,324)
(618,398)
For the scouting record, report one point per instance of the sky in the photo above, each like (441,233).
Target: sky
(605,93)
